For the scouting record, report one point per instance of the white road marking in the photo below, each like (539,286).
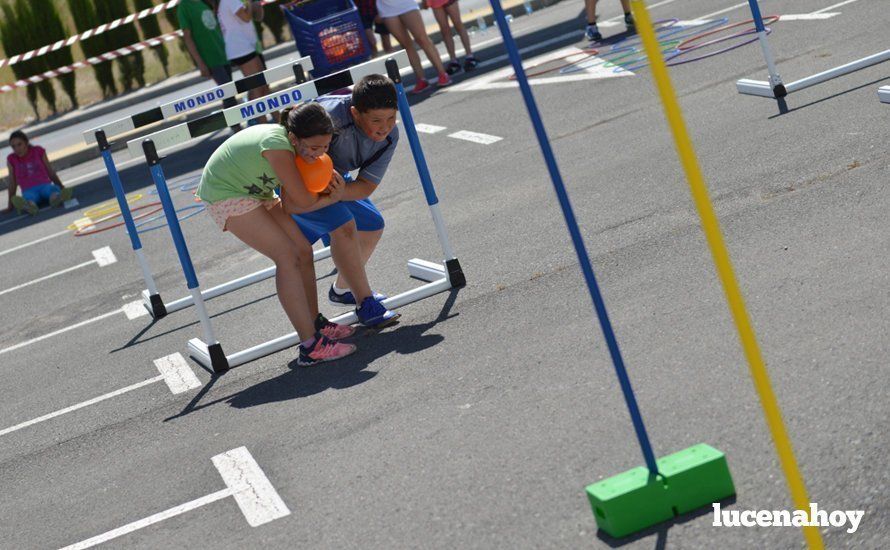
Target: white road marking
(60,331)
(839,4)
(145,522)
(102,257)
(258,500)
(135,310)
(428,128)
(807,16)
(475,137)
(255,495)
(93,401)
(71,203)
(177,374)
(40,240)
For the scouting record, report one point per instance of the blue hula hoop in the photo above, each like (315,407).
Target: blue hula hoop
(198,208)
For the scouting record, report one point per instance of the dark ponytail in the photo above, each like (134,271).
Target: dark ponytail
(306,120)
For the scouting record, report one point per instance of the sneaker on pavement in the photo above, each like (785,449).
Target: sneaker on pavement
(20,204)
(323,350)
(332,331)
(373,314)
(420,87)
(629,23)
(347,298)
(60,197)
(592,34)
(444,80)
(453,67)
(470,63)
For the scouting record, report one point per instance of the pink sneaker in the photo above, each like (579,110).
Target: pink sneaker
(444,80)
(324,350)
(332,331)
(420,87)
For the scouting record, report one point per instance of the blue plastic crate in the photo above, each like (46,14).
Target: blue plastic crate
(330,32)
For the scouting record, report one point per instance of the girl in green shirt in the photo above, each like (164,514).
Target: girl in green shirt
(239,183)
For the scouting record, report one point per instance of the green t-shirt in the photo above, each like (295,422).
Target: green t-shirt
(197,17)
(238,169)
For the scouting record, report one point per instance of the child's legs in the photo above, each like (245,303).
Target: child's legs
(414,23)
(41,194)
(369,224)
(394,24)
(372,40)
(590,9)
(347,255)
(625,4)
(453,11)
(442,20)
(304,250)
(259,230)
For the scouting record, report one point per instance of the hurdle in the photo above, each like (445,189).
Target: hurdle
(438,277)
(775,88)
(293,68)
(884,94)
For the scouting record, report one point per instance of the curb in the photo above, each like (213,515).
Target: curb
(87,153)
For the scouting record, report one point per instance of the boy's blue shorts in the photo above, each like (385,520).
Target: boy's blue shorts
(39,194)
(319,223)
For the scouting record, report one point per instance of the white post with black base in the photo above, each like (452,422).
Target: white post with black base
(440,278)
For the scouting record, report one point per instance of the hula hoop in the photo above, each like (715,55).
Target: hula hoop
(670,63)
(684,32)
(768,20)
(589,51)
(643,60)
(86,230)
(583,64)
(667,24)
(198,208)
(110,206)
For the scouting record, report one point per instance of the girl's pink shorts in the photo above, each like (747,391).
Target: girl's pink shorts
(439,3)
(225,209)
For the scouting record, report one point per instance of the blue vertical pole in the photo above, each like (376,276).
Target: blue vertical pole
(775,80)
(452,265)
(158,309)
(577,239)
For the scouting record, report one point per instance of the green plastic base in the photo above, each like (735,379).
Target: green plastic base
(634,500)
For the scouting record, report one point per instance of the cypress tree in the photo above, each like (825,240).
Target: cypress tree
(11,38)
(151,28)
(132,66)
(86,18)
(30,38)
(46,15)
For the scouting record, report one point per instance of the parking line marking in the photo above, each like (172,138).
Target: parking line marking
(254,493)
(135,310)
(145,522)
(102,257)
(807,16)
(93,401)
(475,137)
(839,4)
(40,240)
(60,331)
(428,128)
(179,377)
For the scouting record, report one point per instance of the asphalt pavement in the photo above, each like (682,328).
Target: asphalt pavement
(479,419)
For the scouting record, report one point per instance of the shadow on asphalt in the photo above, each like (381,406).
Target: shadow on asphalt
(660,530)
(346,373)
(827,98)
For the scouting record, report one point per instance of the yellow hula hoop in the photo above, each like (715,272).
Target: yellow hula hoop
(110,207)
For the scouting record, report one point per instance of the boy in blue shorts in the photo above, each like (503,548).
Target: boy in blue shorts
(365,140)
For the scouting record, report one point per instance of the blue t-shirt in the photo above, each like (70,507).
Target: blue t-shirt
(351,146)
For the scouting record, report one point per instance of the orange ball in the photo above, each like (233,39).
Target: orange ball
(316,175)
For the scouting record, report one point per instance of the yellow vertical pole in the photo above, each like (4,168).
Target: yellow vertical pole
(711,227)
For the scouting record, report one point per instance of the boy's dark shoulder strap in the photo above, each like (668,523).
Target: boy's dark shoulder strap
(377,154)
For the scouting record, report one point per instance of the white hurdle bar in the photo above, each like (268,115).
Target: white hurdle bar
(763,89)
(775,88)
(208,351)
(884,94)
(293,69)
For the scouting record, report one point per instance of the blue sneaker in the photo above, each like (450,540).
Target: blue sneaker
(373,314)
(347,298)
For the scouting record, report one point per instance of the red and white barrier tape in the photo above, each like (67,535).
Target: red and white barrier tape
(83,36)
(92,61)
(93,32)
